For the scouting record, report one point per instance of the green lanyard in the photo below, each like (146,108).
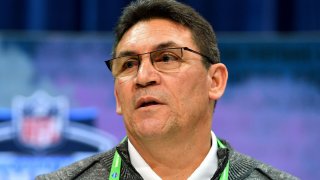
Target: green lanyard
(116,165)
(225,173)
(115,168)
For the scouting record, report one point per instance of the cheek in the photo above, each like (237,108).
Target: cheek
(193,83)
(192,90)
(123,96)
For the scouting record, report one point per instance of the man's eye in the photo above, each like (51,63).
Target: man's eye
(130,64)
(167,57)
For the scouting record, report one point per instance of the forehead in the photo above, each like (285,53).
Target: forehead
(147,35)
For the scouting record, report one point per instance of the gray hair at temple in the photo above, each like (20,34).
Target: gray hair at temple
(140,10)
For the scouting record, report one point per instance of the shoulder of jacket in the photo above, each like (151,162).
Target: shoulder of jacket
(273,173)
(253,169)
(97,163)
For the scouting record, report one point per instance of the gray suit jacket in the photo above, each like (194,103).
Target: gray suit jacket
(98,166)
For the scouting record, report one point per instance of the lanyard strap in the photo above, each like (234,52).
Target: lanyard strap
(116,165)
(225,173)
(115,168)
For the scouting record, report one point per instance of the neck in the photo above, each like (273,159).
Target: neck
(175,157)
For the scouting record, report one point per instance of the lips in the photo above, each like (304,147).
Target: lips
(147,102)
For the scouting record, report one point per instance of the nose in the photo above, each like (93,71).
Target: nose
(147,75)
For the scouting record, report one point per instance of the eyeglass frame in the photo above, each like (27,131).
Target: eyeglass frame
(210,60)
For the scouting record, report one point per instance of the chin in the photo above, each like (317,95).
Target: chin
(155,128)
(152,128)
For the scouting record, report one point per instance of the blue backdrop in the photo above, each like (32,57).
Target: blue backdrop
(101,15)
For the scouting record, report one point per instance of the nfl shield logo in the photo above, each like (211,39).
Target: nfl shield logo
(39,120)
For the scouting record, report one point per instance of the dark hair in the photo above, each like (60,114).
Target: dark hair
(202,32)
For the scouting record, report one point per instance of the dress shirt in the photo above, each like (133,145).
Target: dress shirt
(205,170)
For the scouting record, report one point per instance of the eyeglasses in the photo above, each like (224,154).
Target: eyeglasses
(163,60)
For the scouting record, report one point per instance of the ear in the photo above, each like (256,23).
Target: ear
(218,76)
(118,104)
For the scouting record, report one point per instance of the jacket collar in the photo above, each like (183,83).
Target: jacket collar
(222,154)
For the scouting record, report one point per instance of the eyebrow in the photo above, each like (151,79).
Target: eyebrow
(163,45)
(168,44)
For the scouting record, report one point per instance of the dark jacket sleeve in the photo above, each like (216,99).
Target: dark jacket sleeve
(90,168)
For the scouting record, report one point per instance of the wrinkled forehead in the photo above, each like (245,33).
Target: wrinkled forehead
(147,35)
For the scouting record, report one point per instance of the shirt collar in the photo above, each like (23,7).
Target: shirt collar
(206,169)
(140,165)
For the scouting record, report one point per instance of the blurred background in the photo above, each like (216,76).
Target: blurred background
(56,95)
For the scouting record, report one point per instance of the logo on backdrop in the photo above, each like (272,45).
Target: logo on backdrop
(39,120)
(43,133)
(46,124)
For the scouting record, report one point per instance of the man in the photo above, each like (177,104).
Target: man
(168,77)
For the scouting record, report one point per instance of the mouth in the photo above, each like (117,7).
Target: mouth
(147,102)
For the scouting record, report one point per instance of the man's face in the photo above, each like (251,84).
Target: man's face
(155,103)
